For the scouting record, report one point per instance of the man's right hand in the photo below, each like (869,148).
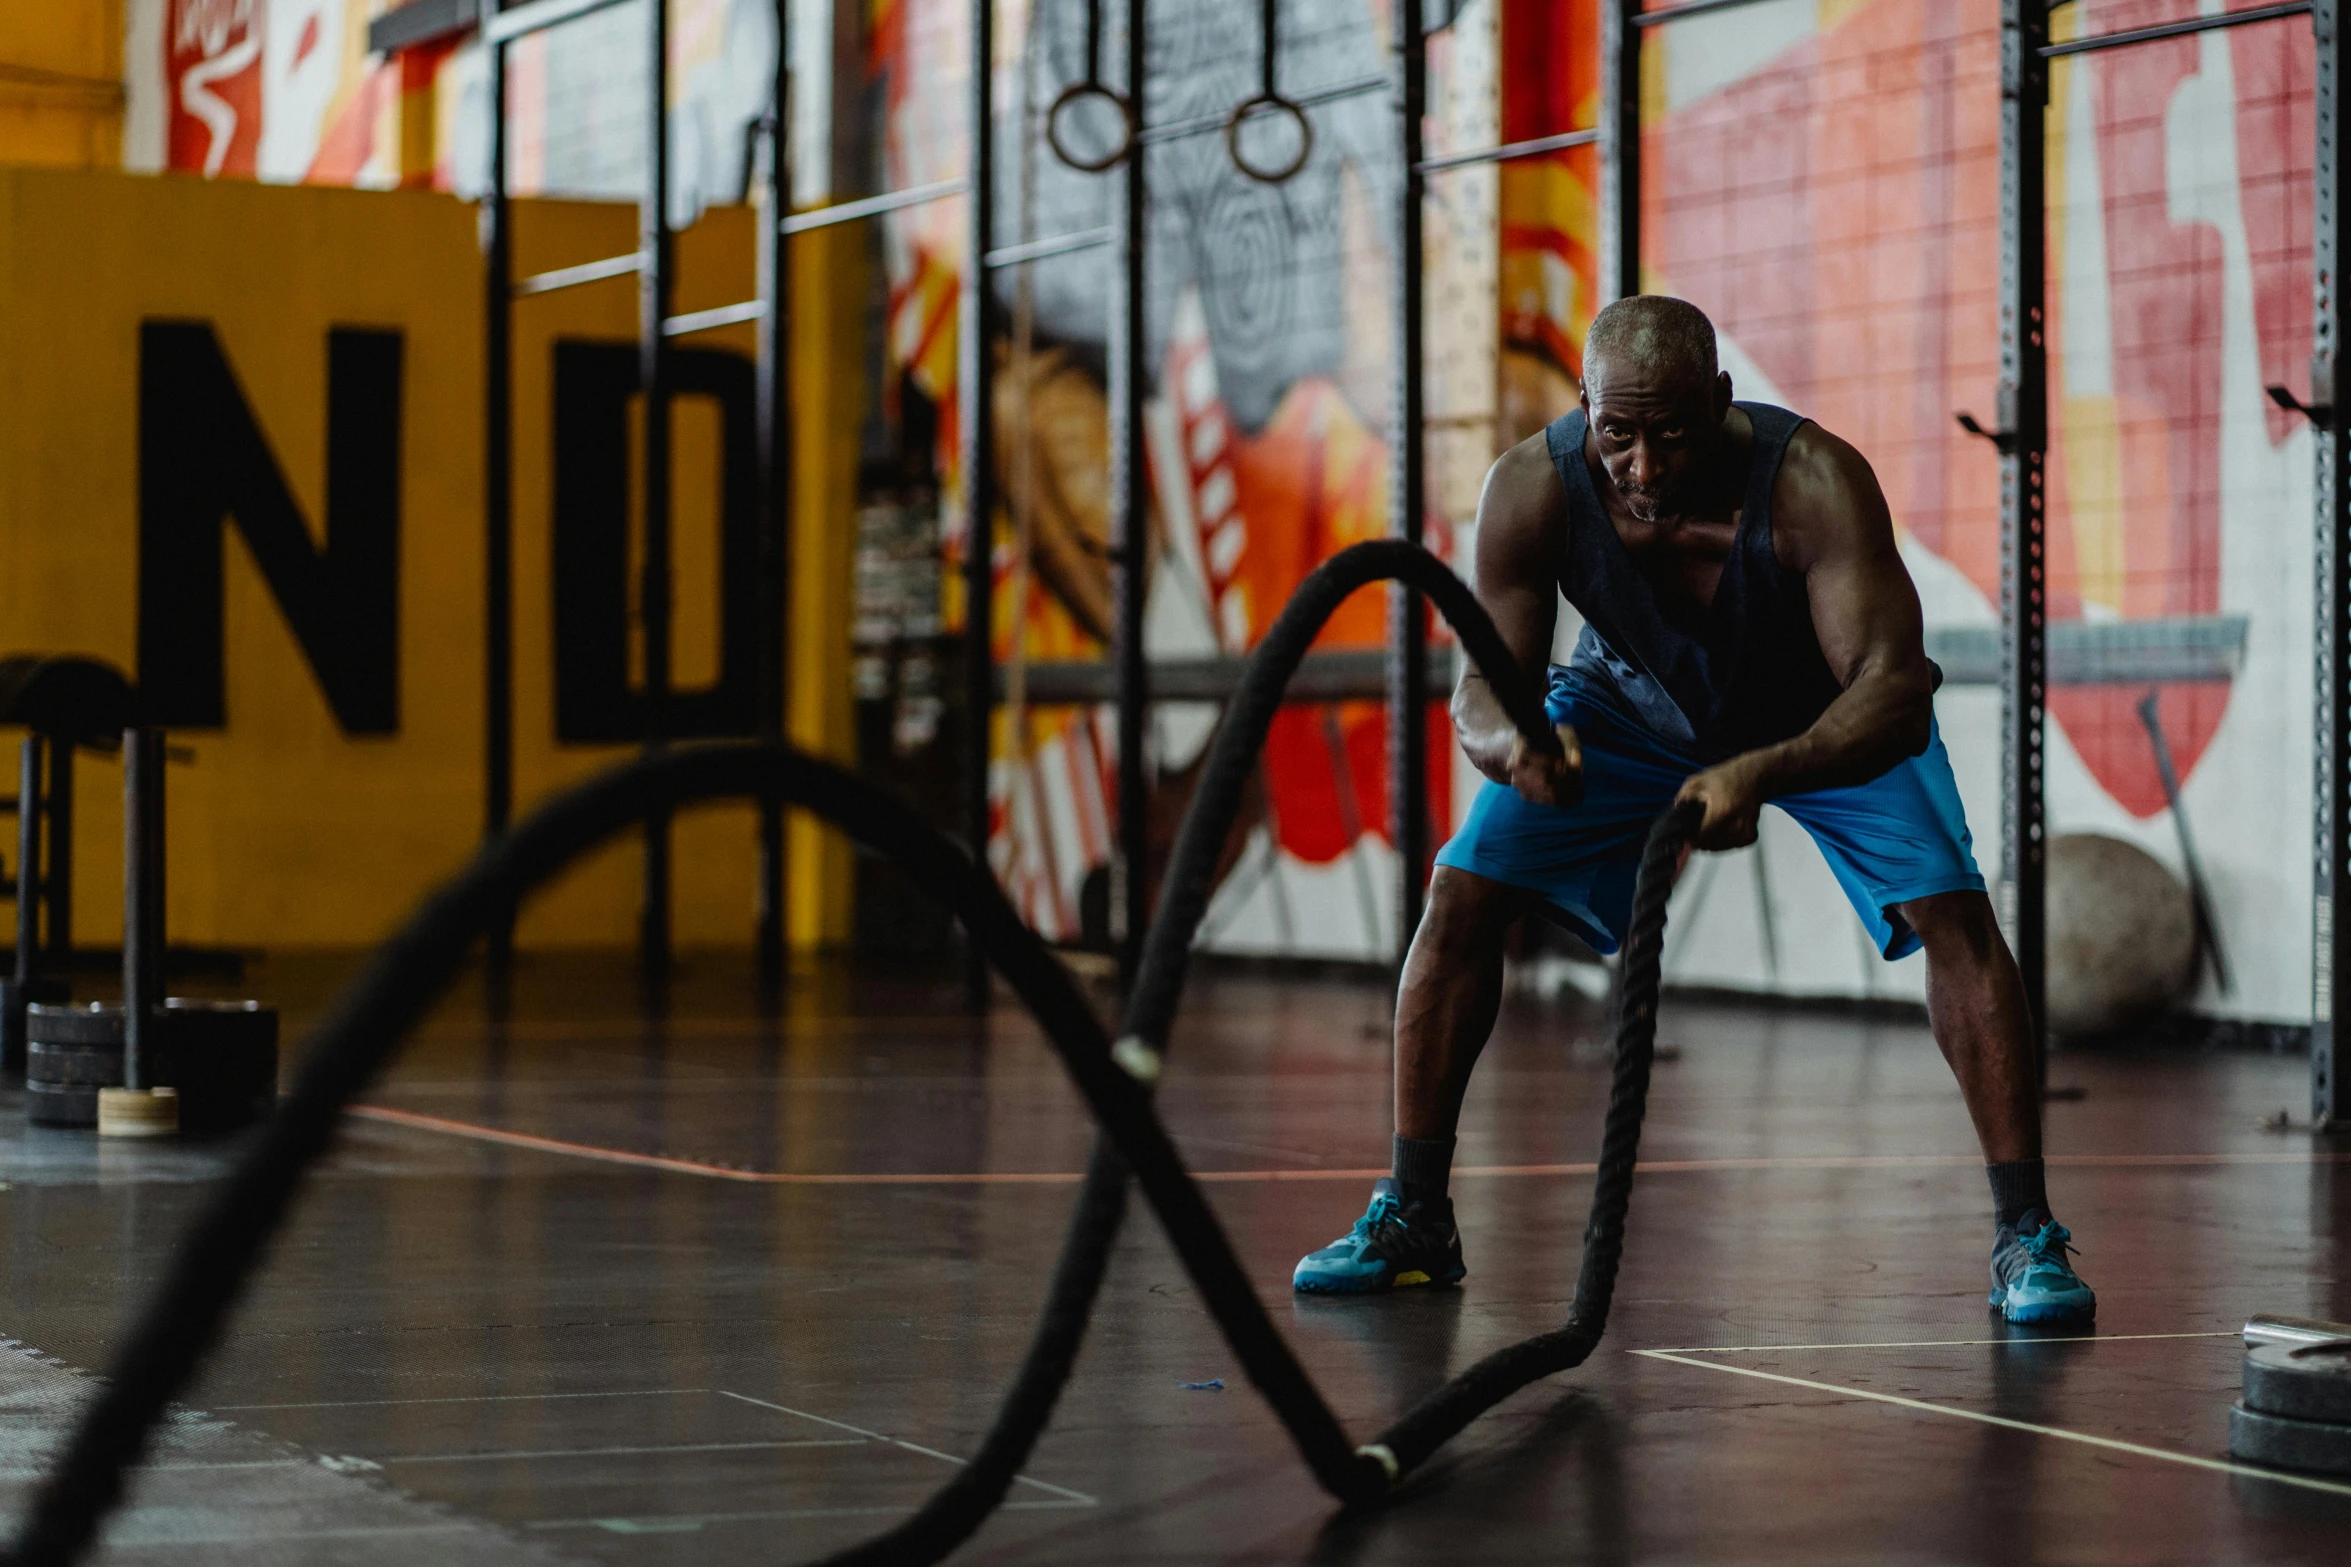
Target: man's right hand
(1547,775)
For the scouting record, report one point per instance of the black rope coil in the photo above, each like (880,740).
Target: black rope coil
(374,1013)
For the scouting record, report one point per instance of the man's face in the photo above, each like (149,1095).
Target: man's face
(1656,431)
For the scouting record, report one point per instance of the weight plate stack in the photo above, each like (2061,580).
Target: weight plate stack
(2296,1411)
(221,1055)
(15,996)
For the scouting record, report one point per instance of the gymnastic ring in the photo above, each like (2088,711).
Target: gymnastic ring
(1126,118)
(1276,103)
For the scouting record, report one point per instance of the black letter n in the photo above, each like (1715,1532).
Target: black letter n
(203,460)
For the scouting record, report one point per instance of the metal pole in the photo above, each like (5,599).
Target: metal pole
(1130,534)
(1408,650)
(2024,433)
(974,376)
(57,862)
(2330,1102)
(497,242)
(17,992)
(775,488)
(653,583)
(142,898)
(1620,149)
(28,864)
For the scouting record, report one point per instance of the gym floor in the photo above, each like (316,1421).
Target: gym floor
(596,1287)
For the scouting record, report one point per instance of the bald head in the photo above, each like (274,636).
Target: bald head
(1657,402)
(1663,341)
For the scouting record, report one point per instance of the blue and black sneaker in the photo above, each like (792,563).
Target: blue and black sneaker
(2031,1280)
(1392,1247)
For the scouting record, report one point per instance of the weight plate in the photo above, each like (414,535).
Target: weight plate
(242,1069)
(213,1108)
(182,1018)
(97,1023)
(2317,1445)
(2312,1382)
(88,1066)
(51,1104)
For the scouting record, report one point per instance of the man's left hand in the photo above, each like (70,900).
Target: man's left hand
(1733,797)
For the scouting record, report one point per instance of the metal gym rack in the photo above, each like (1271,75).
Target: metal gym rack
(2020,432)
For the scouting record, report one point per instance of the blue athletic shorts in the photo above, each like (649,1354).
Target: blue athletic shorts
(1900,836)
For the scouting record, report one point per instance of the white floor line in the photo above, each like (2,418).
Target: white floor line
(1076,1498)
(460,1398)
(2110,1444)
(1934,1343)
(620,1452)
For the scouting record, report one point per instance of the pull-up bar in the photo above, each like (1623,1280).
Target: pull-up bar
(2195,24)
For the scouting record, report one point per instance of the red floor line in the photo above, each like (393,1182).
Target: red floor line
(476,1132)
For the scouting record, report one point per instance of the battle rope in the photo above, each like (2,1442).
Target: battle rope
(373,1014)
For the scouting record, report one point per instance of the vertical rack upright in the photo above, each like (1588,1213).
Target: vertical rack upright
(499,27)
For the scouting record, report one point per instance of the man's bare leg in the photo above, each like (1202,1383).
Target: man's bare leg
(1445,1008)
(1450,995)
(1975,1002)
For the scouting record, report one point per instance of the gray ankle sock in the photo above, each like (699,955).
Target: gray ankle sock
(2017,1190)
(1422,1167)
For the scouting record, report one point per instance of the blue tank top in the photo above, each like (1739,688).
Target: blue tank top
(1743,672)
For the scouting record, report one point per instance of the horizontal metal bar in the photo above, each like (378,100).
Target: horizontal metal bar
(869,206)
(1203,124)
(1511,149)
(540,15)
(2103,652)
(2293,1332)
(1352,675)
(2119,652)
(421,22)
(1052,245)
(1674,13)
(2198,24)
(585,272)
(706,320)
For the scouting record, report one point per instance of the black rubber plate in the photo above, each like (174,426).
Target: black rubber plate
(2320,1446)
(100,1024)
(2312,1382)
(47,1104)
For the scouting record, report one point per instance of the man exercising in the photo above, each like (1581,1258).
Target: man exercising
(1750,636)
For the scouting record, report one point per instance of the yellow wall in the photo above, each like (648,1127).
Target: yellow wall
(285,831)
(61,96)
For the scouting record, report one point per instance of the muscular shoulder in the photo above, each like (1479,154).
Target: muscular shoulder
(1522,517)
(1523,509)
(1826,500)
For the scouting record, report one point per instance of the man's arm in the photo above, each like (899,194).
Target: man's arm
(1521,515)
(1829,512)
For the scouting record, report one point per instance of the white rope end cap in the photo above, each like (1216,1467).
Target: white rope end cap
(1137,1059)
(1378,1452)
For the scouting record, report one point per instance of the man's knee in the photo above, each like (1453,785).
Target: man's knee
(1466,912)
(1957,927)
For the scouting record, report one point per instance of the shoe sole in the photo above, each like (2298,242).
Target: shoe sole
(2052,1311)
(1402,1281)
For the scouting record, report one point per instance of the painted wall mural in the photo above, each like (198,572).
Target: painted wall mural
(1267,341)
(1825,182)
(286,91)
(1822,178)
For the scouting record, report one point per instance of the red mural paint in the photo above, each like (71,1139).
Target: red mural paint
(212,65)
(1836,212)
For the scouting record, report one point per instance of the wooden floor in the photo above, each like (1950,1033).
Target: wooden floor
(588,1286)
